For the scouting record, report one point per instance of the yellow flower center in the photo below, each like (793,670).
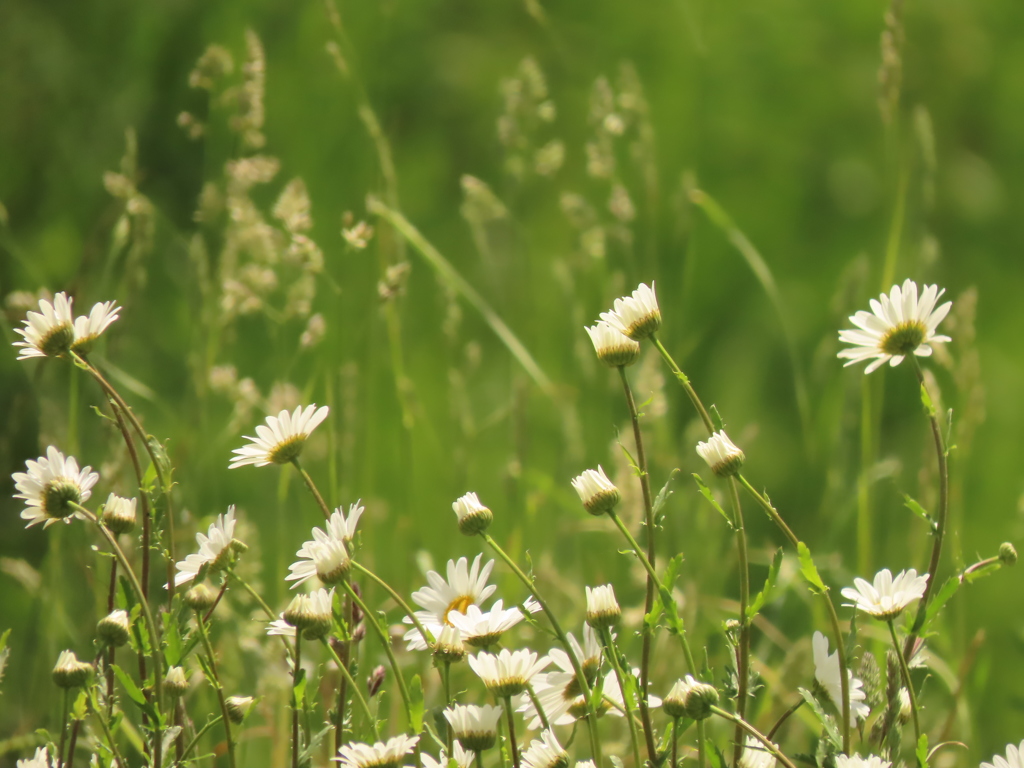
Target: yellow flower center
(460,604)
(288,450)
(904,338)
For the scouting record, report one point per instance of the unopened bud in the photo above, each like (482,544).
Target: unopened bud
(175,683)
(449,646)
(70,672)
(474,517)
(119,514)
(699,701)
(200,598)
(375,681)
(114,629)
(238,707)
(1007,553)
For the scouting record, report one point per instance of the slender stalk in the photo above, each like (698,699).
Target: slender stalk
(446,679)
(428,638)
(646,630)
(479,758)
(581,678)
(906,680)
(65,705)
(202,732)
(342,660)
(702,749)
(212,659)
(72,743)
(512,732)
(613,656)
(296,669)
(263,605)
(743,651)
(105,727)
(316,493)
(216,602)
(109,671)
(544,724)
(675,743)
(785,717)
(774,750)
(356,690)
(371,619)
(684,380)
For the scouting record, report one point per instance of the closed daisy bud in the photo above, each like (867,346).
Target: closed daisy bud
(602,608)
(238,707)
(474,517)
(724,458)
(119,514)
(449,646)
(1007,553)
(596,491)
(375,681)
(70,672)
(114,628)
(674,704)
(475,728)
(200,598)
(311,614)
(175,682)
(613,348)
(700,698)
(636,316)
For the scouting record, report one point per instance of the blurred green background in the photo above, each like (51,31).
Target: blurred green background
(852,143)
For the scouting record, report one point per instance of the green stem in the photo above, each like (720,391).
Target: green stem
(702,750)
(544,724)
(743,651)
(105,727)
(906,680)
(613,656)
(356,690)
(684,380)
(263,605)
(675,743)
(195,739)
(446,679)
(296,669)
(512,732)
(64,709)
(211,657)
(316,493)
(774,750)
(652,585)
(428,638)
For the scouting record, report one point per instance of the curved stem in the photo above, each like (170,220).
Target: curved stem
(743,651)
(684,380)
(785,717)
(544,723)
(613,656)
(428,638)
(212,660)
(646,630)
(64,707)
(316,493)
(512,732)
(263,605)
(195,739)
(356,689)
(72,742)
(296,669)
(105,727)
(774,750)
(906,680)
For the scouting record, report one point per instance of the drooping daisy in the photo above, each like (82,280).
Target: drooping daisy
(613,347)
(826,672)
(280,627)
(465,586)
(755,755)
(41,759)
(508,672)
(596,491)
(119,513)
(89,328)
(238,708)
(856,761)
(636,316)
(214,549)
(545,752)
(475,728)
(482,629)
(473,517)
(52,484)
(1014,758)
(558,692)
(327,555)
(602,608)
(49,332)
(724,458)
(175,681)
(69,672)
(463,757)
(899,324)
(281,439)
(312,613)
(382,754)
(888,596)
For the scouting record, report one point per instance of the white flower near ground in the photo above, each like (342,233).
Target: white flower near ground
(900,323)
(755,755)
(214,548)
(636,316)
(613,347)
(508,672)
(281,438)
(545,752)
(52,484)
(41,759)
(1014,758)
(327,556)
(856,761)
(476,728)
(389,754)
(463,758)
(888,596)
(49,332)
(826,672)
(465,586)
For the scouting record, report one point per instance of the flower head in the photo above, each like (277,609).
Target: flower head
(888,596)
(382,754)
(613,347)
(238,707)
(826,672)
(481,629)
(596,491)
(508,673)
(88,329)
(476,728)
(119,513)
(545,752)
(755,755)
(449,646)
(49,332)
(559,691)
(898,324)
(281,439)
(327,555)
(638,316)
(69,672)
(856,761)
(473,516)
(214,549)
(52,484)
(690,698)
(41,759)
(464,587)
(114,628)
(463,757)
(312,613)
(603,609)
(175,682)
(724,458)
(1014,758)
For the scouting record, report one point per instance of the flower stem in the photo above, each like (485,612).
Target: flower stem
(675,743)
(109,671)
(702,749)
(428,638)
(296,669)
(356,690)
(316,493)
(768,745)
(72,743)
(65,705)
(652,585)
(446,679)
(544,723)
(743,651)
(263,605)
(105,727)
(613,656)
(906,680)
(212,660)
(512,732)
(684,380)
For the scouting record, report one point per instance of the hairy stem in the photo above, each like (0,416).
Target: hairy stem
(217,686)
(905,670)
(768,745)
(613,656)
(743,651)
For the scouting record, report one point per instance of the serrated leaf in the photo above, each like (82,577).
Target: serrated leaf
(831,729)
(763,596)
(941,598)
(920,511)
(169,737)
(922,751)
(158,450)
(716,418)
(81,706)
(808,569)
(314,742)
(663,494)
(134,692)
(417,707)
(706,493)
(926,401)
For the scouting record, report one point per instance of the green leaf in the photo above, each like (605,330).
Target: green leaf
(417,707)
(922,751)
(663,494)
(941,598)
(763,596)
(808,570)
(716,418)
(831,729)
(134,692)
(926,401)
(920,511)
(985,570)
(706,493)
(314,742)
(164,461)
(299,688)
(5,653)
(81,706)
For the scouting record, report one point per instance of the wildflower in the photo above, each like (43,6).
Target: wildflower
(756,755)
(375,680)
(596,491)
(508,673)
(856,761)
(888,596)
(41,759)
(51,486)
(690,698)
(88,329)
(449,646)
(463,758)
(898,324)
(280,626)
(473,516)
(380,755)
(465,586)
(559,691)
(214,549)
(724,458)
(1007,553)
(327,556)
(638,316)
(481,629)
(281,439)
(175,682)
(613,348)
(1014,758)
(49,332)
(69,672)
(826,672)
(545,752)
(602,608)
(312,613)
(200,598)
(119,514)
(114,628)
(238,707)
(476,728)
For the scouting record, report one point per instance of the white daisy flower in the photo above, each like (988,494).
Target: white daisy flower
(49,332)
(463,758)
(175,681)
(638,316)
(596,491)
(559,692)
(899,324)
(312,613)
(480,629)
(281,439)
(545,752)
(755,755)
(327,555)
(826,672)
(888,596)
(475,728)
(724,458)
(387,754)
(1014,758)
(602,608)
(41,759)
(89,328)
(856,761)
(214,549)
(473,517)
(280,627)
(119,513)
(52,484)
(238,708)
(613,347)
(465,586)
(508,673)
(611,691)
